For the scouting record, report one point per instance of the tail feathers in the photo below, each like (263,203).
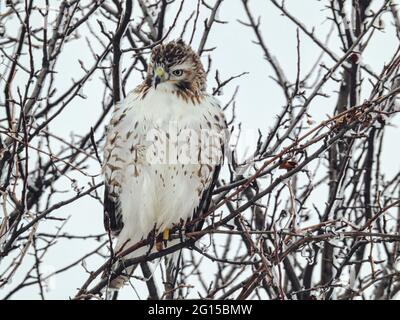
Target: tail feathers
(171,262)
(119,281)
(171,272)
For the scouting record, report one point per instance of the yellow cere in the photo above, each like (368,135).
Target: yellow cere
(160,72)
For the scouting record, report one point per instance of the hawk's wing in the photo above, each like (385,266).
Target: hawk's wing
(206,196)
(118,133)
(112,212)
(112,182)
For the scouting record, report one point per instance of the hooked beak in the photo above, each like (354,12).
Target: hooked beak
(159,76)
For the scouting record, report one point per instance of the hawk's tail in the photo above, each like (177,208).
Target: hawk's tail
(119,281)
(171,262)
(116,283)
(171,273)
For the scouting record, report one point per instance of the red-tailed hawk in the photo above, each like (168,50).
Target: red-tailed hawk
(163,150)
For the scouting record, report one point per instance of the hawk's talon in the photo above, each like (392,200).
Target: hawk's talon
(162,240)
(165,235)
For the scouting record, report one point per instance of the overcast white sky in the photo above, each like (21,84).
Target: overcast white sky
(258,102)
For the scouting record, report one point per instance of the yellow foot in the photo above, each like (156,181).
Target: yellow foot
(165,235)
(163,242)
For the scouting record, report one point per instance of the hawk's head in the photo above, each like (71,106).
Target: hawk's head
(176,66)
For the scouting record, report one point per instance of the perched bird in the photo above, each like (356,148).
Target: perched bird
(163,150)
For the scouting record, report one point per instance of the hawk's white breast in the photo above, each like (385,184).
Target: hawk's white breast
(152,192)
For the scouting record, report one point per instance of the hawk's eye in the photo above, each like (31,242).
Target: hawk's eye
(177,72)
